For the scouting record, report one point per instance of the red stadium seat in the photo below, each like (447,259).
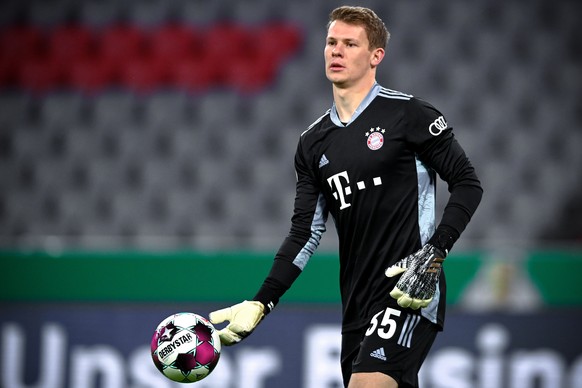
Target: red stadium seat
(90,75)
(143,74)
(249,75)
(247,59)
(281,39)
(172,44)
(121,42)
(194,75)
(175,42)
(40,75)
(226,42)
(7,71)
(21,41)
(70,42)
(225,55)
(17,45)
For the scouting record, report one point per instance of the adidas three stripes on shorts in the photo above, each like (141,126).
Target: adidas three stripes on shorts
(395,342)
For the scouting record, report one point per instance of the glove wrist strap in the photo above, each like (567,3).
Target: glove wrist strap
(268,298)
(444,238)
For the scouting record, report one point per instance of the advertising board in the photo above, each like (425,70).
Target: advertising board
(90,345)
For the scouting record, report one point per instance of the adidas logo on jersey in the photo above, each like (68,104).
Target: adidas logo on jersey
(379,354)
(323,161)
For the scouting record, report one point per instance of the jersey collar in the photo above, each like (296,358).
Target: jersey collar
(363,105)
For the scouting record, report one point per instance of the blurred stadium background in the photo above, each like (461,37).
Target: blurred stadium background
(146,166)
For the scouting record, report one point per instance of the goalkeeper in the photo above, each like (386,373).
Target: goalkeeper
(371,162)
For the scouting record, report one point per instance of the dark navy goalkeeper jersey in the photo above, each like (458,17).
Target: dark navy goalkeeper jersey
(375,176)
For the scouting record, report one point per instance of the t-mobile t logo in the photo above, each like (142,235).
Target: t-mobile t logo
(339,184)
(335,182)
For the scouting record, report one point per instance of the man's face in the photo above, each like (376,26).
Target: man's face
(348,58)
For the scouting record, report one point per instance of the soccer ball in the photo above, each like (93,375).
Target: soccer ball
(185,347)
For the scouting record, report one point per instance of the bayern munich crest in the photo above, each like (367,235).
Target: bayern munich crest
(375,138)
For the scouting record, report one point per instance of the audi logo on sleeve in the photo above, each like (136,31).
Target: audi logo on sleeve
(438,126)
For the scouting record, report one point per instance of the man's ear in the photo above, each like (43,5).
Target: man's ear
(377,56)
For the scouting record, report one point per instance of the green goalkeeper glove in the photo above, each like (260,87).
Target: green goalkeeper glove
(421,271)
(243,318)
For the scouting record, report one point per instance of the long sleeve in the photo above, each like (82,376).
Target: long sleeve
(307,228)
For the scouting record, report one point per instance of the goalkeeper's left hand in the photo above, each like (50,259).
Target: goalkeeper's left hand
(242,317)
(421,271)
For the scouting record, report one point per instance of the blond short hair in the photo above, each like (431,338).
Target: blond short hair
(375,28)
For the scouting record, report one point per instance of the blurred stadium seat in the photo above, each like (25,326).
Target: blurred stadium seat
(152,117)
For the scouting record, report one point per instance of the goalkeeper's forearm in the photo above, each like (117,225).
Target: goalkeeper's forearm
(245,316)
(282,275)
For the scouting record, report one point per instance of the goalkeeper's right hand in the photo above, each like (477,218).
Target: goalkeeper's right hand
(243,318)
